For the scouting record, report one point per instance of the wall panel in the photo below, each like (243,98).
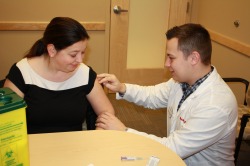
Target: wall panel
(23,22)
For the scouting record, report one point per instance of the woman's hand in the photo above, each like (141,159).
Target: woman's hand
(109,121)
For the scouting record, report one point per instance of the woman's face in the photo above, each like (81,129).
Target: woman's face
(68,59)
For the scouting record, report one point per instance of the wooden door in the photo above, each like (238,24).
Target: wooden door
(119,30)
(119,39)
(180,12)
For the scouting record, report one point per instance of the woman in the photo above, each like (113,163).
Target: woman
(54,82)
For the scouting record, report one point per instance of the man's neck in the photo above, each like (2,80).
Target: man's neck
(201,72)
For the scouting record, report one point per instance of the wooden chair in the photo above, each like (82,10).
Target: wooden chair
(243,115)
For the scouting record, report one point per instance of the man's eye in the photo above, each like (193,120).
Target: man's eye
(73,55)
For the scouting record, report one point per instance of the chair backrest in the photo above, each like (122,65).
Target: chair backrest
(243,117)
(244,81)
(248,97)
(1,83)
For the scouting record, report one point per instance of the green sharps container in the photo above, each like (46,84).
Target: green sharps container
(13,130)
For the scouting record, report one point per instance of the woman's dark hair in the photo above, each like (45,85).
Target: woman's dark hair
(61,32)
(192,37)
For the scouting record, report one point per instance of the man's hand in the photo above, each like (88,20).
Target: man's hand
(111,82)
(109,121)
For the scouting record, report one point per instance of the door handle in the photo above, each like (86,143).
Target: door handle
(117,9)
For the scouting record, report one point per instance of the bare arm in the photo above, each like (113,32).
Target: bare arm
(13,87)
(99,100)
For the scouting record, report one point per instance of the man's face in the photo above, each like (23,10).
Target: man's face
(178,65)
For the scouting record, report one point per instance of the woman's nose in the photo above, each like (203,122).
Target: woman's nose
(79,58)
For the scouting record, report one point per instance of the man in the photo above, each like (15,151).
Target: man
(201,108)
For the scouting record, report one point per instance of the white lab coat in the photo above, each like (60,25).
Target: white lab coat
(203,131)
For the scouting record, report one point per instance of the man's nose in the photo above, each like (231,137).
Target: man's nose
(167,62)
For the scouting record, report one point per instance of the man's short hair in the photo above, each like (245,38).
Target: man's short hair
(192,37)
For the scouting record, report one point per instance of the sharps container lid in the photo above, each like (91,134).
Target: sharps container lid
(10,101)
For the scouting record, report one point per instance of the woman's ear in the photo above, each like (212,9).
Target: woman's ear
(51,50)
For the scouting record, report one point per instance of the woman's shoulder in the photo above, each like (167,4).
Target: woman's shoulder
(85,69)
(22,62)
(29,62)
